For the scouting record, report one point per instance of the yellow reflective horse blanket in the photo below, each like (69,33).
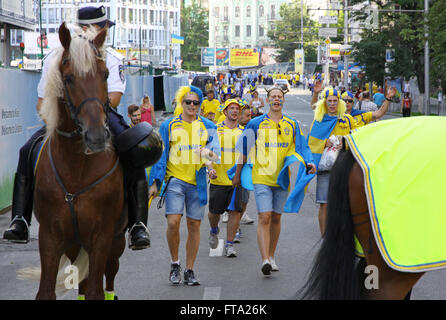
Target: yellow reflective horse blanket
(404,165)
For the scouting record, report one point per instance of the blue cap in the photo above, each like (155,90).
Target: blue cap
(93,15)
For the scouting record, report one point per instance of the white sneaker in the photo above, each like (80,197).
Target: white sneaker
(246,219)
(225,217)
(274,266)
(230,252)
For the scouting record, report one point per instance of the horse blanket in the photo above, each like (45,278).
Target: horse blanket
(403,161)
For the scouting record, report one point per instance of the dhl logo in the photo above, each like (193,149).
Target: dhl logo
(244,54)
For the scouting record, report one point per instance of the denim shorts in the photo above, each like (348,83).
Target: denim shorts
(322,182)
(179,193)
(270,199)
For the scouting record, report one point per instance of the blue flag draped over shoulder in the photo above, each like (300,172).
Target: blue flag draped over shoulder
(319,133)
(297,195)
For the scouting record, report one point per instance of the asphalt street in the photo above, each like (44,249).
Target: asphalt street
(143,275)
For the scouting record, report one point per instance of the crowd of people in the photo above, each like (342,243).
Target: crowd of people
(234,144)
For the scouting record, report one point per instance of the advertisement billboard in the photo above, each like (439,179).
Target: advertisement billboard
(207,57)
(222,57)
(244,57)
(299,61)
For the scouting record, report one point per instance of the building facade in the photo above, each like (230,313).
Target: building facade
(145,24)
(242,23)
(15,17)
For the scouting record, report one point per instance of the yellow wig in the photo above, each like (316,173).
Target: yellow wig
(181,93)
(321,105)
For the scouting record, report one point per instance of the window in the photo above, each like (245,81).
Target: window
(225,13)
(248,11)
(237,31)
(273,11)
(261,31)
(261,11)
(248,30)
(237,11)
(216,12)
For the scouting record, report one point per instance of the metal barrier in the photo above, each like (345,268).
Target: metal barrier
(19,119)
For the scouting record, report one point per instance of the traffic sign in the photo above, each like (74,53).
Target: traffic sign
(328,19)
(327,41)
(328,32)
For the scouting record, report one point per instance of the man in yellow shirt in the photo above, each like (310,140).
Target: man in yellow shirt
(181,167)
(365,117)
(210,105)
(222,196)
(274,136)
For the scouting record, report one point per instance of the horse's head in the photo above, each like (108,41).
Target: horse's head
(84,75)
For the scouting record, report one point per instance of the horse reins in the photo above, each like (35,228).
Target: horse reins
(74,111)
(69,197)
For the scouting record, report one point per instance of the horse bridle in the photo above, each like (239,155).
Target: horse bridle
(74,111)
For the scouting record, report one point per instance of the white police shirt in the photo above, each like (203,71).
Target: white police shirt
(116,81)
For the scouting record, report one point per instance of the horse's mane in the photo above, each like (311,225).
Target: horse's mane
(82,57)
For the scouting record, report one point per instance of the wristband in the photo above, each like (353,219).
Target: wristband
(388,99)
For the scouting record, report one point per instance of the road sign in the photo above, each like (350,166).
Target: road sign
(389,55)
(328,19)
(328,32)
(327,41)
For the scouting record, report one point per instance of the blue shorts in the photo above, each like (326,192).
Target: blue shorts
(179,193)
(270,199)
(322,182)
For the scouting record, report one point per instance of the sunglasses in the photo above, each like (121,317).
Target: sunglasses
(348,100)
(189,102)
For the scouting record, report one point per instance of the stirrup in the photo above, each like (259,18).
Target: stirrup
(19,218)
(129,236)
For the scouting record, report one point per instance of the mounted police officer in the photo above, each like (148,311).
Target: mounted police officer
(138,147)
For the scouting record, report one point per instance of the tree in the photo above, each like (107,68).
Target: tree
(437,43)
(194,24)
(286,34)
(399,31)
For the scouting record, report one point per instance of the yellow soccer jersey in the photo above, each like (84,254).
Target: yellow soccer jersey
(210,106)
(185,142)
(229,156)
(272,144)
(363,118)
(221,119)
(344,126)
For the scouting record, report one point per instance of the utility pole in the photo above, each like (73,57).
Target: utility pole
(426,61)
(346,43)
(327,47)
(41,34)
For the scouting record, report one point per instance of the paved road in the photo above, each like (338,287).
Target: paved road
(144,274)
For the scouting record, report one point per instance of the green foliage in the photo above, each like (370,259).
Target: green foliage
(194,27)
(286,35)
(437,43)
(403,32)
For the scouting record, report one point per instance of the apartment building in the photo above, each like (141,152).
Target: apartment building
(15,17)
(145,24)
(242,23)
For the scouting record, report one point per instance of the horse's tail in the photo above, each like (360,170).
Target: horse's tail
(335,273)
(63,283)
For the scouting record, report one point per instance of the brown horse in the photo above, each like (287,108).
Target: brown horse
(337,272)
(79,193)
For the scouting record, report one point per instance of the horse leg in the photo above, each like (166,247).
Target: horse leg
(112,267)
(98,259)
(50,253)
(391,284)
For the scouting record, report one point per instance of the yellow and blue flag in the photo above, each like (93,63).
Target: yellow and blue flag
(177,39)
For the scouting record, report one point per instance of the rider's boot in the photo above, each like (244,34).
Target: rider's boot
(139,237)
(22,206)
